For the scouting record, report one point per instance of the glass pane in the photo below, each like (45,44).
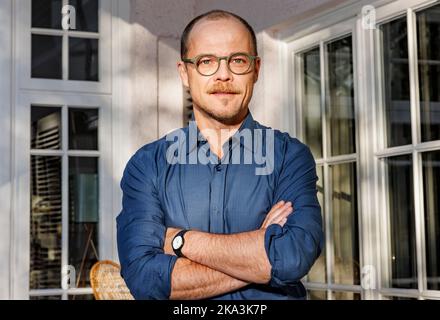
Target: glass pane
(45,127)
(317,295)
(318,272)
(402,224)
(83,59)
(83,216)
(346,295)
(431,184)
(46,14)
(428,28)
(46,57)
(396,83)
(83,129)
(340,97)
(45,224)
(86,14)
(311,99)
(345,224)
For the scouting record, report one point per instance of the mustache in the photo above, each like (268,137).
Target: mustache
(223,88)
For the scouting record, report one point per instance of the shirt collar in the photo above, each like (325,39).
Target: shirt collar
(248,123)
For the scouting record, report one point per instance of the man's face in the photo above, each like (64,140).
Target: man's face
(223,96)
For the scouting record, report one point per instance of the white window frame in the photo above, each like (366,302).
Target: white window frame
(22,205)
(25,81)
(111,95)
(295,48)
(384,15)
(373,224)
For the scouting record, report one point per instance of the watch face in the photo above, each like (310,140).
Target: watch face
(177,242)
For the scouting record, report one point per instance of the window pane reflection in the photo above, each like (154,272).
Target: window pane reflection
(45,224)
(396,83)
(311,99)
(345,224)
(45,128)
(340,97)
(83,216)
(83,129)
(83,59)
(46,14)
(402,224)
(318,272)
(86,15)
(46,57)
(428,28)
(431,184)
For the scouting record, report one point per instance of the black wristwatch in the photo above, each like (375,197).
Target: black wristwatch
(178,242)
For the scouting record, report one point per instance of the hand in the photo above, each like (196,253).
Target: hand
(278,214)
(169,236)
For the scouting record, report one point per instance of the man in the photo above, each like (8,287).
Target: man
(218,229)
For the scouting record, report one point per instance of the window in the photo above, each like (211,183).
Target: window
(65,54)
(64,196)
(410,150)
(327,107)
(76,58)
(367,103)
(63,161)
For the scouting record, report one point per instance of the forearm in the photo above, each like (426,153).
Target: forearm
(241,255)
(190,280)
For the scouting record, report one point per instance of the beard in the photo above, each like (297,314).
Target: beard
(221,112)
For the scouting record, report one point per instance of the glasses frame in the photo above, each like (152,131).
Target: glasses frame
(196,59)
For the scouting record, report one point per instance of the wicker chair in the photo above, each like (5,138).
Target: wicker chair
(107,283)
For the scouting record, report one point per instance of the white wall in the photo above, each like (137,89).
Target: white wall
(5,144)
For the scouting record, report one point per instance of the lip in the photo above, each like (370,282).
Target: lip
(223,94)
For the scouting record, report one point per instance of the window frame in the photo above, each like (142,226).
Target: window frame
(371,176)
(116,103)
(294,49)
(25,31)
(22,217)
(415,149)
(22,173)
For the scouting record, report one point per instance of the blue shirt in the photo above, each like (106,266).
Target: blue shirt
(221,198)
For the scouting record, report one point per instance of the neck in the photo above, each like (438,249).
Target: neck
(217,132)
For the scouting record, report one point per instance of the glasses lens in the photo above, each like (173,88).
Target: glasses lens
(207,65)
(239,63)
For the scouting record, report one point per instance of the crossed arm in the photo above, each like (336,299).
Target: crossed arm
(223,263)
(281,252)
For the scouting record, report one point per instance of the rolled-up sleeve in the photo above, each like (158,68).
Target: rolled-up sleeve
(293,248)
(140,232)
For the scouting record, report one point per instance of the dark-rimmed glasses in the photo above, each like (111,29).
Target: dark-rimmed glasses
(207,64)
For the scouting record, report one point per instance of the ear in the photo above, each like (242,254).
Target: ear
(183,72)
(257,69)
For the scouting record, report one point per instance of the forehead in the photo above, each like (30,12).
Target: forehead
(220,37)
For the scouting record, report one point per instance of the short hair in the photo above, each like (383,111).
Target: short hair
(213,15)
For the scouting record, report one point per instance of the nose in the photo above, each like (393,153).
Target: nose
(223,73)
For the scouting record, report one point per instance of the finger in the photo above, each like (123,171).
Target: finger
(277,206)
(283,222)
(280,212)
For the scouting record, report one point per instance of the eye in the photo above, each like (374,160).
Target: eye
(206,61)
(238,60)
